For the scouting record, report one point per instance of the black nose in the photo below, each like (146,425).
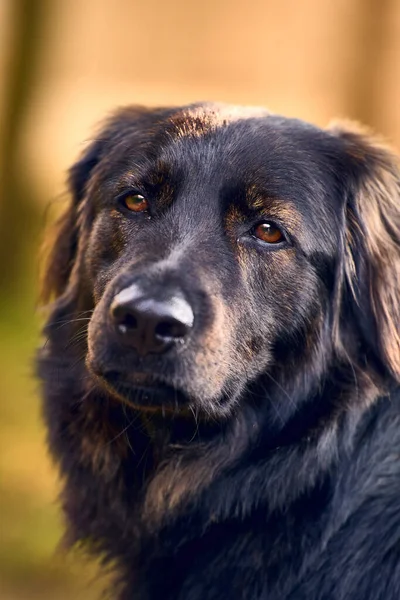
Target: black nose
(150,323)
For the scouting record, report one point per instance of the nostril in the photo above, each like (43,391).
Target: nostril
(129,321)
(170,329)
(124,318)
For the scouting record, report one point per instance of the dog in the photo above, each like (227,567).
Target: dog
(222,359)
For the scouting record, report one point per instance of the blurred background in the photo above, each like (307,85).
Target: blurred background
(63,66)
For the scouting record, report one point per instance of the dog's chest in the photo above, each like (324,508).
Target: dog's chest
(260,557)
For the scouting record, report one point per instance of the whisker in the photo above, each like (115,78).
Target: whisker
(197,424)
(70,321)
(124,430)
(80,335)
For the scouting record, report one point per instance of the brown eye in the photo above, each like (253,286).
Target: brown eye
(135,203)
(269,233)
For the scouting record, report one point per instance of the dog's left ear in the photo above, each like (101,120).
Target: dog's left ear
(371,178)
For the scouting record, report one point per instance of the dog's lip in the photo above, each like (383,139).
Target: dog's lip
(134,378)
(143,390)
(140,378)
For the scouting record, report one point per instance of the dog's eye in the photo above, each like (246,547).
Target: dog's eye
(269,233)
(135,203)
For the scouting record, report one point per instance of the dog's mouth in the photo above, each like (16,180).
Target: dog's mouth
(143,391)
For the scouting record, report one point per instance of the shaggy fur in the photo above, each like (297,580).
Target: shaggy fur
(260,458)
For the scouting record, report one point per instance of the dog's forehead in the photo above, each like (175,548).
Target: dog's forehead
(248,139)
(282,157)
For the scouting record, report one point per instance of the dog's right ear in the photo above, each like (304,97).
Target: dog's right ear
(64,242)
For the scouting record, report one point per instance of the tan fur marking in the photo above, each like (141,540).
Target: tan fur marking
(200,120)
(378,204)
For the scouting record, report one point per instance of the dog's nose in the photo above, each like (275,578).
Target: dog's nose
(150,323)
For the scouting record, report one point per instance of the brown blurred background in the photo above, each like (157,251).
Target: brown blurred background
(63,66)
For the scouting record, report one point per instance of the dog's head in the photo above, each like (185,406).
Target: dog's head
(218,246)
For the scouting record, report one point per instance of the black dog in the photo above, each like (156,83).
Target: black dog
(221,375)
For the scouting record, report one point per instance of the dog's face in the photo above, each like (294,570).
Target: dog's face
(216,247)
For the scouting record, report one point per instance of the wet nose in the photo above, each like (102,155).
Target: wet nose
(151,323)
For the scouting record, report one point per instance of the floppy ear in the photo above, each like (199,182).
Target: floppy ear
(64,243)
(372,244)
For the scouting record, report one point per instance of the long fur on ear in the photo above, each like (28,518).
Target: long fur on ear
(64,242)
(372,245)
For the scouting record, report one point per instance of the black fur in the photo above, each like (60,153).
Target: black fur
(260,460)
